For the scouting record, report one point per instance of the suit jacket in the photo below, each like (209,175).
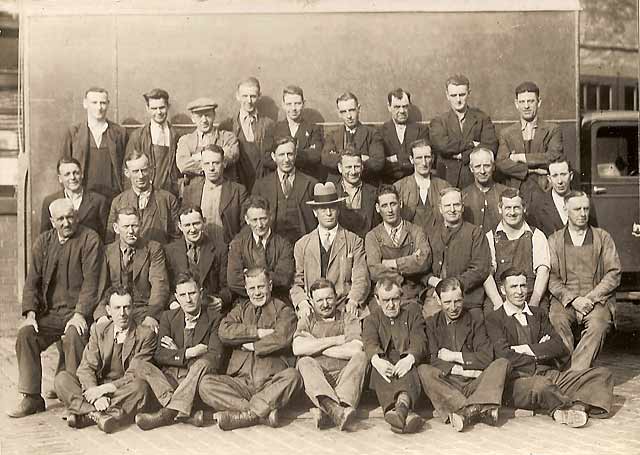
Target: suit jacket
(392,146)
(357,221)
(504,334)
(475,212)
(92,213)
(188,146)
(82,259)
(279,258)
(376,333)
(309,140)
(159,221)
(544,215)
(302,191)
(232,196)
(76,143)
(471,339)
(139,346)
(206,332)
(212,267)
(448,140)
(410,195)
(367,141)
(150,282)
(347,267)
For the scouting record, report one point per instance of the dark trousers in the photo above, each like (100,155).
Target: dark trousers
(172,391)
(30,345)
(228,393)
(387,392)
(552,389)
(131,398)
(452,393)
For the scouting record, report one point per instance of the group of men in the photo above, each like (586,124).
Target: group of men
(183,275)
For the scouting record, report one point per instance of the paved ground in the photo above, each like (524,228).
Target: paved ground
(47,433)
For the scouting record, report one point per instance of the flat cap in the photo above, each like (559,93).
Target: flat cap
(201,104)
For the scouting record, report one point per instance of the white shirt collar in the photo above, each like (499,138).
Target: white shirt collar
(524,124)
(264,238)
(119,335)
(558,201)
(160,133)
(422,181)
(524,228)
(191,321)
(332,232)
(510,309)
(292,175)
(388,228)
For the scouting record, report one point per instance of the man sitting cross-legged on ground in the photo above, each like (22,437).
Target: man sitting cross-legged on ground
(460,349)
(332,363)
(105,389)
(188,348)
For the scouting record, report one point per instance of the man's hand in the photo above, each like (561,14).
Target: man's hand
(103,319)
(459,371)
(582,305)
(538,171)
(364,158)
(196,351)
(168,343)
(249,347)
(351,307)
(544,339)
(457,156)
(339,340)
(382,366)
(173,305)
(392,158)
(264,332)
(30,320)
(433,281)
(404,365)
(390,264)
(523,349)
(449,356)
(93,393)
(102,403)
(79,322)
(216,303)
(635,230)
(151,323)
(304,309)
(518,157)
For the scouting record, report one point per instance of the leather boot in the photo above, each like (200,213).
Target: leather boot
(272,420)
(151,420)
(30,404)
(574,417)
(413,423)
(79,421)
(397,417)
(320,418)
(342,416)
(230,420)
(106,422)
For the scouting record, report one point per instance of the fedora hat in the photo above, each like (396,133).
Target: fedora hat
(325,194)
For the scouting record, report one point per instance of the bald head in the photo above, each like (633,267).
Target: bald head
(63,217)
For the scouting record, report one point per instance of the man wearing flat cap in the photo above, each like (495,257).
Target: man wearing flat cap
(190,146)
(158,139)
(330,252)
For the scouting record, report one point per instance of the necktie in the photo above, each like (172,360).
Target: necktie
(143,200)
(286,185)
(395,235)
(259,245)
(258,313)
(326,241)
(249,122)
(350,134)
(127,257)
(192,253)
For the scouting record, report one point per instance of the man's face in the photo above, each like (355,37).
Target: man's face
(324,302)
(139,172)
(451,208)
(192,226)
(514,289)
(422,159)
(512,211)
(388,206)
(457,96)
(213,166)
(188,296)
(248,95)
(527,104)
(292,105)
(389,300)
(481,165)
(128,228)
(258,220)
(327,216)
(350,167)
(560,177)
(258,289)
(119,308)
(349,112)
(70,176)
(399,109)
(451,303)
(578,211)
(158,110)
(96,105)
(203,120)
(285,157)
(64,221)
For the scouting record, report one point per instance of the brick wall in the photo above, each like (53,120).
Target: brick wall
(9,305)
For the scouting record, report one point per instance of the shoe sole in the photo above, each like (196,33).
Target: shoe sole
(393,419)
(109,427)
(571,417)
(413,424)
(20,415)
(457,422)
(348,419)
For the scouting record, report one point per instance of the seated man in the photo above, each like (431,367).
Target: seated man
(395,342)
(585,273)
(524,336)
(261,377)
(397,246)
(460,350)
(331,360)
(60,294)
(188,348)
(258,246)
(105,390)
(138,265)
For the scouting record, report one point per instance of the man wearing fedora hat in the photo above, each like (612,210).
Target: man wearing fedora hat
(330,252)
(190,146)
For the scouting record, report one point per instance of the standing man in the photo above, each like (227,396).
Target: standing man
(260,377)
(308,136)
(455,134)
(220,199)
(585,273)
(330,252)
(482,197)
(254,133)
(99,146)
(158,209)
(420,192)
(287,190)
(190,146)
(60,294)
(330,358)
(528,146)
(364,140)
(397,134)
(157,139)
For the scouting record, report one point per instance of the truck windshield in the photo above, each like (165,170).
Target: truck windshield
(617,151)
